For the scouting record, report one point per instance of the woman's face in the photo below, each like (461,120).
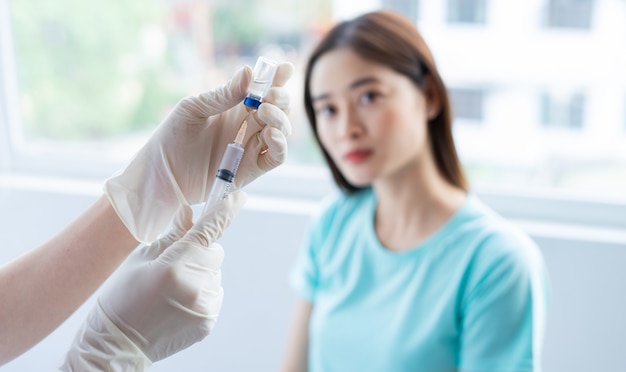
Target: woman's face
(370,119)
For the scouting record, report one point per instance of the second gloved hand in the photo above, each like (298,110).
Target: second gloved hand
(178,164)
(164,298)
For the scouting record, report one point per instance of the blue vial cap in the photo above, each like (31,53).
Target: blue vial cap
(252,102)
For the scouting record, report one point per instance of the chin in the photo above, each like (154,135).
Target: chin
(359,180)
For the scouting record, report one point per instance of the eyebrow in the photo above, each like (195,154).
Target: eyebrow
(363,81)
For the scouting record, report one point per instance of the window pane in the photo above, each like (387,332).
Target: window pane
(466,11)
(406,7)
(565,111)
(467,103)
(569,13)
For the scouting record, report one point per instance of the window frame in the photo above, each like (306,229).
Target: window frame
(6,89)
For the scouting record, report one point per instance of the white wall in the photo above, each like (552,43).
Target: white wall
(514,57)
(586,325)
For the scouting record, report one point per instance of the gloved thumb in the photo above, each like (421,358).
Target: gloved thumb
(214,222)
(222,98)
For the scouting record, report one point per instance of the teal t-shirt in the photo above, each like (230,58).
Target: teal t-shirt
(472,297)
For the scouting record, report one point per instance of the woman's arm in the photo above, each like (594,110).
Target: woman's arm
(296,356)
(43,287)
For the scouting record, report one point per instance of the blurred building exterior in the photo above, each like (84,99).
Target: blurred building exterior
(538,86)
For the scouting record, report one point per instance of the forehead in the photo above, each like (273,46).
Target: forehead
(337,69)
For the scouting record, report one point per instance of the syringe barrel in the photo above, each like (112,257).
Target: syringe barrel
(225,175)
(263,76)
(230,162)
(218,191)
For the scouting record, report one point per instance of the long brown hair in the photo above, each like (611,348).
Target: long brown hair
(391,39)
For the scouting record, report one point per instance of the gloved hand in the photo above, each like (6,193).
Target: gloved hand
(164,298)
(178,164)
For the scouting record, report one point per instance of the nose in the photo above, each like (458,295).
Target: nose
(351,126)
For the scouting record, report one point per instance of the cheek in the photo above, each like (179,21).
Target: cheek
(404,133)
(324,138)
(387,125)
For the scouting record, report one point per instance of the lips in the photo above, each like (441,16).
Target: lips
(357,156)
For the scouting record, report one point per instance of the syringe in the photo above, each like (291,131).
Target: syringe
(263,76)
(228,168)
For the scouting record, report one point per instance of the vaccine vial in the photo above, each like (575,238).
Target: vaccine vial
(263,76)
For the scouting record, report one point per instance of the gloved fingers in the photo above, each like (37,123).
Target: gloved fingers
(196,250)
(213,256)
(275,152)
(283,73)
(195,280)
(206,262)
(208,305)
(266,148)
(220,99)
(271,115)
(211,225)
(181,223)
(279,96)
(211,301)
(270,144)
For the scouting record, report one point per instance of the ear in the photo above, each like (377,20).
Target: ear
(433,98)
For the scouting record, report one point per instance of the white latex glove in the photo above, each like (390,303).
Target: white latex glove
(178,164)
(164,298)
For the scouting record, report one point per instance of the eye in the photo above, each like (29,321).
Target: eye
(325,111)
(369,97)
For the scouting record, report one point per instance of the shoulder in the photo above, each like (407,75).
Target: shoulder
(498,241)
(338,212)
(502,262)
(340,205)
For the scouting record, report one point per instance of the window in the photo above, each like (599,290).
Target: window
(562,110)
(406,7)
(569,14)
(82,87)
(87,84)
(466,11)
(467,103)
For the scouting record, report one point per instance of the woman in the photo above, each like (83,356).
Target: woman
(406,269)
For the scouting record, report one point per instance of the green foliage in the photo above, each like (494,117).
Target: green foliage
(237,25)
(82,71)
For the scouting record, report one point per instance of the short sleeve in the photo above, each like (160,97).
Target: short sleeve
(503,314)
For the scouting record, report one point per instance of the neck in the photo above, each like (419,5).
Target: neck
(412,204)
